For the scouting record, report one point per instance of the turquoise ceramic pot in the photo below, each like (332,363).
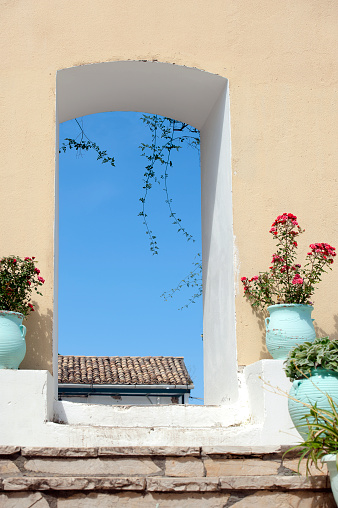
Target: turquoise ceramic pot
(12,339)
(312,391)
(331,461)
(289,324)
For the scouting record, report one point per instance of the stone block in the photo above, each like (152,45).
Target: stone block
(58,452)
(240,450)
(240,467)
(293,465)
(73,483)
(273,482)
(98,466)
(8,467)
(184,466)
(23,500)
(171,451)
(150,500)
(162,484)
(286,499)
(9,450)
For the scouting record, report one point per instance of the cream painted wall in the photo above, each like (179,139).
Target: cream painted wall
(280,60)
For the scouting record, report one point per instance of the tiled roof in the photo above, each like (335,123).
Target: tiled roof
(123,370)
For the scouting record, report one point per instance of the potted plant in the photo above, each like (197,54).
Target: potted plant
(313,369)
(18,279)
(285,290)
(321,440)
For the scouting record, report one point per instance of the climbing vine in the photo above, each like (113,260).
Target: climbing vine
(167,136)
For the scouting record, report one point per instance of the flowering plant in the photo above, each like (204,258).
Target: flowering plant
(286,281)
(18,278)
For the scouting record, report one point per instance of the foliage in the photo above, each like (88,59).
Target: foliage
(302,359)
(286,281)
(83,145)
(18,278)
(322,438)
(193,279)
(165,139)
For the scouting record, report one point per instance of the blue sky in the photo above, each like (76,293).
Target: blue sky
(109,281)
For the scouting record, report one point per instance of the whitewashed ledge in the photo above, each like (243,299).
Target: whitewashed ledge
(258,418)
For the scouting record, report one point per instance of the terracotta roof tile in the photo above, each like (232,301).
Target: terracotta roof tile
(123,370)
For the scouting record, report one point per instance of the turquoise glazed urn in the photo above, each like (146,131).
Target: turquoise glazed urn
(289,325)
(311,391)
(12,339)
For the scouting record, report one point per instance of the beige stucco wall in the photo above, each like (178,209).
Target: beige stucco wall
(279,58)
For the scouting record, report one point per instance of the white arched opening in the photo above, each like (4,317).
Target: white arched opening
(200,99)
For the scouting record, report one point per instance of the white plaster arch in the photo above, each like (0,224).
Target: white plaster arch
(200,99)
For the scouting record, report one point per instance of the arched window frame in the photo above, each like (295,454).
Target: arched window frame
(200,99)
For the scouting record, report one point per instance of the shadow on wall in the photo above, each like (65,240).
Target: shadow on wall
(39,341)
(333,334)
(260,315)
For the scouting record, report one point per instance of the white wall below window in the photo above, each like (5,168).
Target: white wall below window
(125,400)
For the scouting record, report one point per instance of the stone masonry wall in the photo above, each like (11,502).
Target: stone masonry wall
(158,477)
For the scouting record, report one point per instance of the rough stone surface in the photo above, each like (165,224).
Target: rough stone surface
(240,450)
(23,500)
(161,484)
(8,467)
(293,465)
(287,500)
(73,483)
(149,450)
(58,452)
(273,482)
(151,500)
(9,450)
(240,467)
(118,466)
(184,467)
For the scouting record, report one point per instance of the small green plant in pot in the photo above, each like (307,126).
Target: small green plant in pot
(286,289)
(19,278)
(321,440)
(313,369)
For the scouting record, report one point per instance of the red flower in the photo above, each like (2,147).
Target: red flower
(41,279)
(31,306)
(28,282)
(243,279)
(36,270)
(14,261)
(28,259)
(295,244)
(297,279)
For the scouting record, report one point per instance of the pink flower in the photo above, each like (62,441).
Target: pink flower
(36,270)
(243,279)
(40,279)
(255,277)
(297,279)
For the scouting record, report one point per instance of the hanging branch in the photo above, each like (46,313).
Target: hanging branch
(85,145)
(193,279)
